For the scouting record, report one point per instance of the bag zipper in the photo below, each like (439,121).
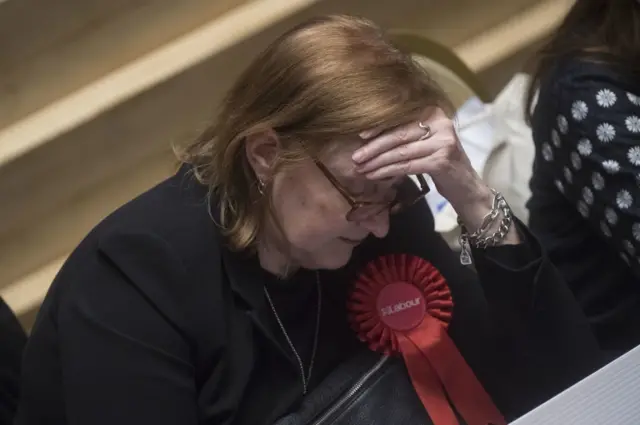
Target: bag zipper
(342,401)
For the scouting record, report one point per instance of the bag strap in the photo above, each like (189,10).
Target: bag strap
(338,383)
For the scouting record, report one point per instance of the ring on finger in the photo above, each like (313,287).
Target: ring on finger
(426,128)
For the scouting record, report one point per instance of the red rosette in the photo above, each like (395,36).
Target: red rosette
(401,305)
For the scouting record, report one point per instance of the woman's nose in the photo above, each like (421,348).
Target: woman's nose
(378,224)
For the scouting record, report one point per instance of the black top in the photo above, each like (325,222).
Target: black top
(153,321)
(12,341)
(585,204)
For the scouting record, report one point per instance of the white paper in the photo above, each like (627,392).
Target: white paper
(610,396)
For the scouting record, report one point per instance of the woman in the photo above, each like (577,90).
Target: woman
(219,296)
(585,192)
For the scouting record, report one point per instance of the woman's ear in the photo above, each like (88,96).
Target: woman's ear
(262,151)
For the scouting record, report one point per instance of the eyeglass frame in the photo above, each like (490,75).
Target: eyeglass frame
(355,203)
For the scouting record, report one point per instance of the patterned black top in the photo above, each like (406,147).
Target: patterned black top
(585,204)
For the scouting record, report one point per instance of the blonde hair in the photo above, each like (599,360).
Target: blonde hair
(325,79)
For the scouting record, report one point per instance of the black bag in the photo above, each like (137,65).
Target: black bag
(368,389)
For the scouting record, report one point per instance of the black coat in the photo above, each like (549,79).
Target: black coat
(12,341)
(153,320)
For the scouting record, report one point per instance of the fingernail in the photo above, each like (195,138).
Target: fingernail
(357,156)
(365,134)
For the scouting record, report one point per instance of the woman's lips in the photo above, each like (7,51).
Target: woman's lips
(351,241)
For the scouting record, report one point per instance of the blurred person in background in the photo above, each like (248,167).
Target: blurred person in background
(12,342)
(219,296)
(585,203)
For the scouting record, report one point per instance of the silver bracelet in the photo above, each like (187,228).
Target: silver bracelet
(478,239)
(489,218)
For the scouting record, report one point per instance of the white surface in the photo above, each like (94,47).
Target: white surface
(610,396)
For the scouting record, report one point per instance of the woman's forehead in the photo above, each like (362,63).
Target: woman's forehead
(338,157)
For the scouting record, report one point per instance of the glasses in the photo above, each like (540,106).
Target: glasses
(406,196)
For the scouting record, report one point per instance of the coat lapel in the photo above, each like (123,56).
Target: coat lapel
(247,284)
(243,273)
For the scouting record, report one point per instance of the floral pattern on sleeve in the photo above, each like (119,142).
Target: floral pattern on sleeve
(594,151)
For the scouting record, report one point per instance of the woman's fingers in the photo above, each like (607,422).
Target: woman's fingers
(400,154)
(401,169)
(388,140)
(392,170)
(412,148)
(371,133)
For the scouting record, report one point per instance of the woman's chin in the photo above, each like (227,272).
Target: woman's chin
(335,259)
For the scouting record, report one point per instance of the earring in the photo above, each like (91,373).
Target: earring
(260,187)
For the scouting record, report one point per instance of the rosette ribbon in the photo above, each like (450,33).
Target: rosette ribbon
(401,305)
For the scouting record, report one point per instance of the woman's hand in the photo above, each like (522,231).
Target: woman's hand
(432,147)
